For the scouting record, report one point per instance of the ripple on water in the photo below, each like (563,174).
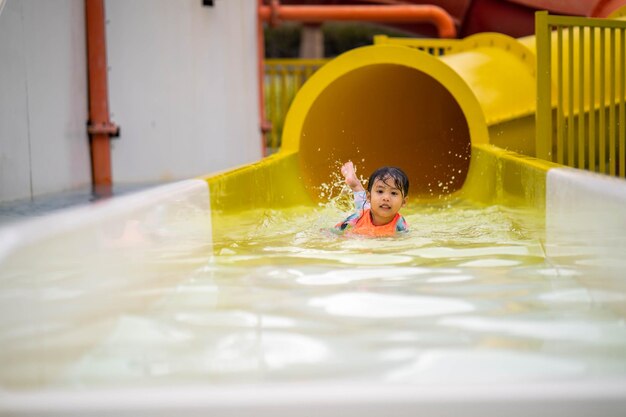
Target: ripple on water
(490,263)
(578,295)
(271,350)
(344,276)
(587,331)
(345,257)
(450,278)
(383,306)
(558,272)
(483,366)
(444,252)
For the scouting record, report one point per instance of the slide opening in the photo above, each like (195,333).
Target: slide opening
(387,114)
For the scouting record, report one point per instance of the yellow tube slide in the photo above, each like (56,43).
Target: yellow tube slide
(389,104)
(394,105)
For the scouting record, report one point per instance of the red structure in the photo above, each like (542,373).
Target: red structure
(512,17)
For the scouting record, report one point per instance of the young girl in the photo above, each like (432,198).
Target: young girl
(377,209)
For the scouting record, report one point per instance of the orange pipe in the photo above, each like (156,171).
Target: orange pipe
(388,13)
(100,127)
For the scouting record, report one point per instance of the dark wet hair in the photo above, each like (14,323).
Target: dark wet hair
(400,180)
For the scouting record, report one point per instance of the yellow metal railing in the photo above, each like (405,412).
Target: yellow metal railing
(433,46)
(581,111)
(283,79)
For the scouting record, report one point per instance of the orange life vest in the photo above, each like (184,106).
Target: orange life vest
(364,226)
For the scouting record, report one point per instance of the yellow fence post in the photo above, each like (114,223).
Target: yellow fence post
(543,119)
(581,66)
(283,79)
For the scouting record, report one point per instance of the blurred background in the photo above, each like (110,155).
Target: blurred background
(103,97)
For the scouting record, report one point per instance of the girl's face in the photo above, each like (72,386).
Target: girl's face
(386,200)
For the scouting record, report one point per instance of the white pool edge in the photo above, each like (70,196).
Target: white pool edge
(597,398)
(93,217)
(586,208)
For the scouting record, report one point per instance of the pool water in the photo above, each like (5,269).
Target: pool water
(468,296)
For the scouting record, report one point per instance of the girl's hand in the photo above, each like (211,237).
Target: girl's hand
(349,174)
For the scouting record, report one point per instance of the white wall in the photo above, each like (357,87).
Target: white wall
(43,98)
(183,87)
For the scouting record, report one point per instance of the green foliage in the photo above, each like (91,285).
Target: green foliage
(284,41)
(342,37)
